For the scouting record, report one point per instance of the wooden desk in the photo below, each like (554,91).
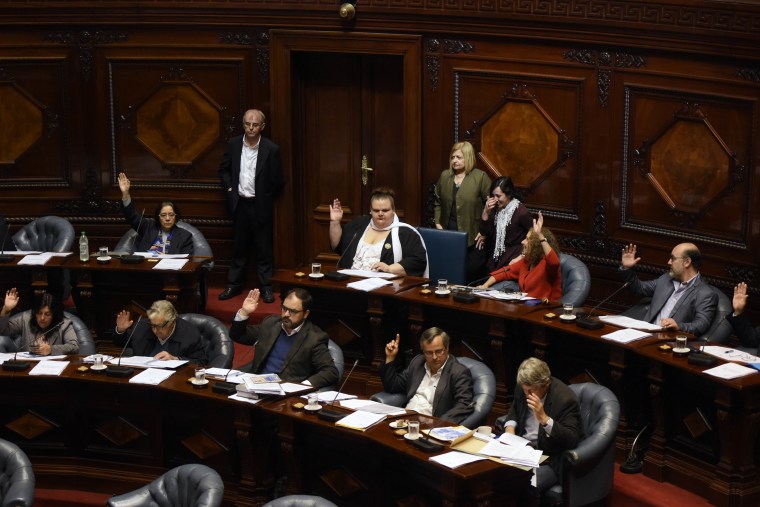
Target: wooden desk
(378,468)
(32,280)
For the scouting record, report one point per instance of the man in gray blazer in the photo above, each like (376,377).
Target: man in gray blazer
(434,383)
(680,300)
(289,344)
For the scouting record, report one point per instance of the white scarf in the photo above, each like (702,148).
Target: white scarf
(397,252)
(503,219)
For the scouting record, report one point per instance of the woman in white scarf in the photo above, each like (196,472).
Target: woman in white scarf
(505,222)
(379,242)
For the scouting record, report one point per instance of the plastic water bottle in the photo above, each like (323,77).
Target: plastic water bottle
(84,248)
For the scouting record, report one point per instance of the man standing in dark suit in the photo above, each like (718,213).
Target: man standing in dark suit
(288,345)
(251,172)
(680,300)
(434,383)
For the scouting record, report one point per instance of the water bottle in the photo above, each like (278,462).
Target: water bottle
(84,248)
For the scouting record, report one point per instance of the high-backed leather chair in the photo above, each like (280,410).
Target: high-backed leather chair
(576,279)
(718,332)
(201,248)
(216,339)
(588,469)
(337,356)
(483,392)
(192,485)
(46,234)
(84,337)
(300,501)
(16,476)
(447,254)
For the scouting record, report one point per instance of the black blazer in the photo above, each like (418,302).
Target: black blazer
(748,336)
(185,343)
(269,176)
(181,241)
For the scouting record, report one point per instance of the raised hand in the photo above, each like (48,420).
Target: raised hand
(535,404)
(740,298)
(629,259)
(123,321)
(250,303)
(11,300)
(391,349)
(124,185)
(336,211)
(538,224)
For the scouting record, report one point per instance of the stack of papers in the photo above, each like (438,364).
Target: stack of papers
(626,335)
(330,396)
(151,376)
(170,264)
(451,434)
(40,259)
(730,371)
(148,362)
(367,274)
(360,420)
(627,322)
(269,388)
(49,368)
(514,455)
(730,354)
(373,406)
(456,459)
(232,376)
(369,284)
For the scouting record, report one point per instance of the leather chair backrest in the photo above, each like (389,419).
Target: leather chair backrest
(84,337)
(16,476)
(216,339)
(46,234)
(337,356)
(201,246)
(447,254)
(720,329)
(193,485)
(300,501)
(576,279)
(600,409)
(483,391)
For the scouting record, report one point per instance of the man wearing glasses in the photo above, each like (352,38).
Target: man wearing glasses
(251,172)
(680,300)
(434,383)
(288,345)
(161,336)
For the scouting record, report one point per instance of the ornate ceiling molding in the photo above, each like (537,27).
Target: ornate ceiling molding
(86,41)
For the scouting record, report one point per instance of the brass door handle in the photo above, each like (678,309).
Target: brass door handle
(365,170)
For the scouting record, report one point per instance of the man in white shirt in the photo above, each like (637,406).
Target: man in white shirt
(434,383)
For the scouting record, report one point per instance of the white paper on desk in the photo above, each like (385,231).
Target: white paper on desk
(151,376)
(367,274)
(6,356)
(329,396)
(34,260)
(237,397)
(627,322)
(626,335)
(730,354)
(49,368)
(454,459)
(232,376)
(149,362)
(372,406)
(265,388)
(510,439)
(28,356)
(730,371)
(290,387)
(170,264)
(517,455)
(368,284)
(360,420)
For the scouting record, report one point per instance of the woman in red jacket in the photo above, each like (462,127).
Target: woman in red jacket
(538,272)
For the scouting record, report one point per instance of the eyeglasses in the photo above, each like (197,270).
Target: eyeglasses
(289,310)
(160,326)
(434,353)
(252,125)
(167,215)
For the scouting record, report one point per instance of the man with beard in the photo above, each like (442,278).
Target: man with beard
(680,300)
(288,345)
(434,383)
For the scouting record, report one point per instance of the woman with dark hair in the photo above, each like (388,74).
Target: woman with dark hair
(43,329)
(504,222)
(380,241)
(537,271)
(159,234)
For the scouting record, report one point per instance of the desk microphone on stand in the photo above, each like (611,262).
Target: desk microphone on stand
(4,257)
(699,357)
(587,322)
(337,276)
(335,415)
(117,370)
(228,388)
(132,258)
(18,365)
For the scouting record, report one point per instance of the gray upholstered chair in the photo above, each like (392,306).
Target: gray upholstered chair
(483,392)
(216,339)
(337,356)
(84,337)
(192,485)
(16,476)
(447,254)
(300,501)
(576,279)
(718,332)
(201,248)
(46,234)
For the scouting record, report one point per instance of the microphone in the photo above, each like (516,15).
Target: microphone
(587,322)
(424,443)
(118,370)
(132,258)
(19,365)
(335,276)
(4,257)
(335,415)
(698,356)
(228,388)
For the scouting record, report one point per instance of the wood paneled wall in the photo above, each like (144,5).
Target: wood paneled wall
(622,121)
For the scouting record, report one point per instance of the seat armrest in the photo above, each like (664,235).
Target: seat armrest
(393,399)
